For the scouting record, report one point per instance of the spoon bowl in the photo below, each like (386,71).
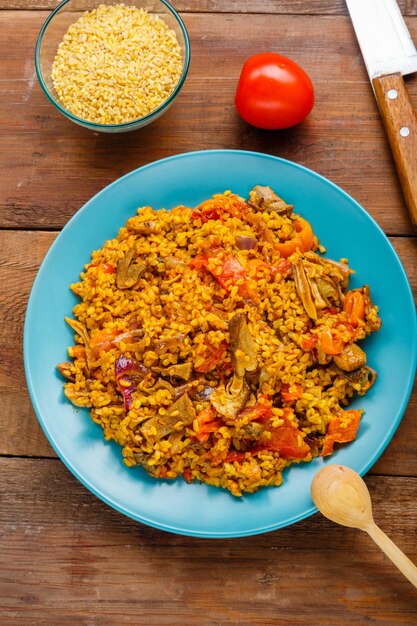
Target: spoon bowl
(342,496)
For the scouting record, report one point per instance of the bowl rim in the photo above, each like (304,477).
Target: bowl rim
(125,125)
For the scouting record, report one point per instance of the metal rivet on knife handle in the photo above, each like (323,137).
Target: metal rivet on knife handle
(392,94)
(404,131)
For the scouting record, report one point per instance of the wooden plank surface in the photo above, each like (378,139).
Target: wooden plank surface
(63,549)
(68,559)
(275,7)
(53,167)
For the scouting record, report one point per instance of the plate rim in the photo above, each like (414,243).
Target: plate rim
(55,445)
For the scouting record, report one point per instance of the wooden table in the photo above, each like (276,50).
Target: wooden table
(66,558)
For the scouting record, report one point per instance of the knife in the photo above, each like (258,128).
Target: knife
(389,54)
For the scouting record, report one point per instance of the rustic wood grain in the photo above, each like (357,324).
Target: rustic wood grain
(22,254)
(53,166)
(63,549)
(409,7)
(294,7)
(20,431)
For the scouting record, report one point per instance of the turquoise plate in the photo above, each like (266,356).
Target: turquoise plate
(342,226)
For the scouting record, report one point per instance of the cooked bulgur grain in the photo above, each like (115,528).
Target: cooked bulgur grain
(116,64)
(223,359)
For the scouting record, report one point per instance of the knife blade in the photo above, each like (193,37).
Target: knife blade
(389,53)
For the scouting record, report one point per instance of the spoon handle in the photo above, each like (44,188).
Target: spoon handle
(393,552)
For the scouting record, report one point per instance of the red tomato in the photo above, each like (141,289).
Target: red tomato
(212,356)
(273,92)
(341,429)
(284,439)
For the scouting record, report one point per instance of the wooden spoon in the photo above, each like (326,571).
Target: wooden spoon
(342,496)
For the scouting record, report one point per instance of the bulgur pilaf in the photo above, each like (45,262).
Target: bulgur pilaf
(218,343)
(116,64)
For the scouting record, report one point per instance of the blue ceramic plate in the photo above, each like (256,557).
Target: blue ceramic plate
(341,225)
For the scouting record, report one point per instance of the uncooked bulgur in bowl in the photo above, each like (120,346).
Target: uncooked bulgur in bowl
(112,67)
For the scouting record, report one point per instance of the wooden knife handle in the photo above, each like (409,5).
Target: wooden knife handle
(400,121)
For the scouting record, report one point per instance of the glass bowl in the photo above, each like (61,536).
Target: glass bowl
(67,13)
